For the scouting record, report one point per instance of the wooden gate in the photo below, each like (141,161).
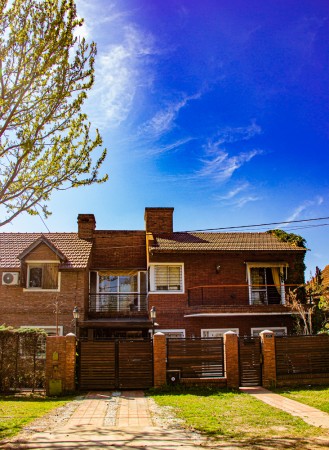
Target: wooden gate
(250,356)
(116,364)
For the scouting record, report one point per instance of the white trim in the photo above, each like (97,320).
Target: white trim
(47,327)
(45,261)
(260,329)
(180,330)
(218,330)
(241,314)
(152,278)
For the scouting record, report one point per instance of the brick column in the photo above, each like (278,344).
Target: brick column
(269,364)
(231,359)
(159,359)
(60,364)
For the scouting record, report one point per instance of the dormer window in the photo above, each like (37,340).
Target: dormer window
(42,276)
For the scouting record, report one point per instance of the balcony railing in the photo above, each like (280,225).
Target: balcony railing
(117,305)
(238,295)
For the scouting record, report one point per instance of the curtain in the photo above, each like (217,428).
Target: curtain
(277,278)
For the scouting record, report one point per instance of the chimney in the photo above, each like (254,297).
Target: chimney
(159,220)
(86,226)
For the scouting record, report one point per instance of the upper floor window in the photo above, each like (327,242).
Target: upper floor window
(118,283)
(266,283)
(42,276)
(166,278)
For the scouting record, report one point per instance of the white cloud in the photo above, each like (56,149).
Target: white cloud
(303,207)
(169,147)
(164,120)
(221,167)
(236,134)
(234,192)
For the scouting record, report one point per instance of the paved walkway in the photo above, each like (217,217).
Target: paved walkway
(310,415)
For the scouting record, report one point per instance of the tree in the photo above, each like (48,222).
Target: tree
(45,73)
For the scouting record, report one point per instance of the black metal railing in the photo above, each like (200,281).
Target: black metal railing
(238,295)
(118,304)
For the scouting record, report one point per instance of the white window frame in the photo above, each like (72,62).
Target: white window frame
(152,286)
(31,264)
(205,331)
(280,265)
(256,330)
(168,331)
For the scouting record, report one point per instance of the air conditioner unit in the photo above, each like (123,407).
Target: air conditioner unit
(10,278)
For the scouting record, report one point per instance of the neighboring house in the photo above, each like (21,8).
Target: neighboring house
(201,284)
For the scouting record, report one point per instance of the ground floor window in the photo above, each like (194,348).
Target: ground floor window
(173,333)
(217,332)
(278,331)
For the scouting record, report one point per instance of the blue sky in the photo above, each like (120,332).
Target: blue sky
(219,108)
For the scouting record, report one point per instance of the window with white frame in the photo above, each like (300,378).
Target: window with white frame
(217,332)
(166,278)
(42,275)
(278,331)
(266,283)
(173,333)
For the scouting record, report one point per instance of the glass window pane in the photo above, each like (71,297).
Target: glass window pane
(36,277)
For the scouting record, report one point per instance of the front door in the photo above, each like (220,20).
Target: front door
(250,361)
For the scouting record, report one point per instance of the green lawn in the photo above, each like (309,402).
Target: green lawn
(316,396)
(231,414)
(17,412)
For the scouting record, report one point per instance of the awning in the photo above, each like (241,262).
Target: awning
(120,323)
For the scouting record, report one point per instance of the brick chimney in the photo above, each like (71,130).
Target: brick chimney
(86,226)
(159,220)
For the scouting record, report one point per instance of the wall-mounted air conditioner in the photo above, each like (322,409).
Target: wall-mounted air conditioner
(10,278)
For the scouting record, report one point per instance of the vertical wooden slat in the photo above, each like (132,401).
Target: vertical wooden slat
(250,361)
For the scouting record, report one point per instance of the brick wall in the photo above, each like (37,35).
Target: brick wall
(20,307)
(119,250)
(60,364)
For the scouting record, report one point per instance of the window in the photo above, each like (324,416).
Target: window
(166,277)
(278,331)
(173,333)
(118,283)
(266,283)
(42,276)
(217,332)
(51,331)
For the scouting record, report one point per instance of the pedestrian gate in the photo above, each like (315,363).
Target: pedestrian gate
(250,361)
(116,364)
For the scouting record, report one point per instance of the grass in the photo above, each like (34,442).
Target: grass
(17,412)
(316,396)
(231,414)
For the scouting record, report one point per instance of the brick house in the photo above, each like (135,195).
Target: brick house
(201,284)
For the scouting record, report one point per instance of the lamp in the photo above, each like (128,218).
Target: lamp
(217,268)
(76,315)
(153,314)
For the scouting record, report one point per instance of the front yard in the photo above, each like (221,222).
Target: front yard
(222,414)
(18,411)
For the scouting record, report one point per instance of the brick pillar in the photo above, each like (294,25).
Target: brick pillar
(60,364)
(269,364)
(231,359)
(159,359)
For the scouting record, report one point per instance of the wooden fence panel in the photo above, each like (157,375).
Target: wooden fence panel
(97,365)
(135,364)
(196,358)
(302,355)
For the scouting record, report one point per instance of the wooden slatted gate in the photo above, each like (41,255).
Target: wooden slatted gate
(250,355)
(116,364)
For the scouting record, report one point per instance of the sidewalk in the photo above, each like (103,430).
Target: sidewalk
(310,415)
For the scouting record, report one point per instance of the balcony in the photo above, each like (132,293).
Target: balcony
(234,298)
(115,305)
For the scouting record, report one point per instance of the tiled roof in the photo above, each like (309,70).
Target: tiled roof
(190,241)
(76,250)
(325,276)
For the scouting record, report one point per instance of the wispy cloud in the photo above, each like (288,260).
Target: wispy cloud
(164,120)
(238,196)
(235,134)
(169,147)
(222,166)
(296,214)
